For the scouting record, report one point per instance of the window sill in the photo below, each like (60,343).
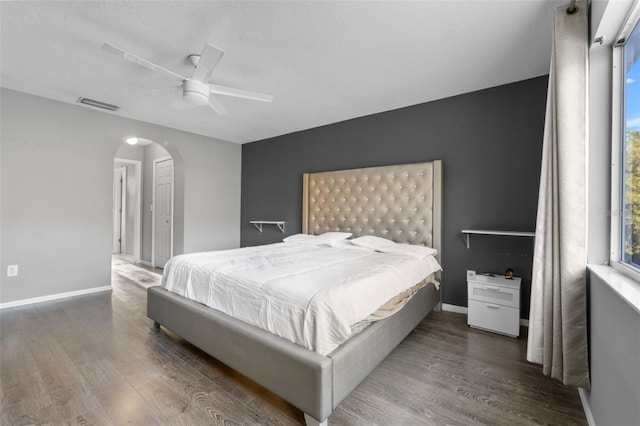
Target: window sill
(627,288)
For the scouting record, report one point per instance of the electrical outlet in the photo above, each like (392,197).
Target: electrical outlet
(12,270)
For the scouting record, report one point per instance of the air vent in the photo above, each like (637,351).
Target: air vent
(97,104)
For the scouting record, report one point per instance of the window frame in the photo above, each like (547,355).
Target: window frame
(618,128)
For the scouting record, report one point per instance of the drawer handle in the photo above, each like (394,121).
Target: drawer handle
(493,288)
(489,305)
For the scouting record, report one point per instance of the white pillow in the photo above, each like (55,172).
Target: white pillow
(387,246)
(331,238)
(326,239)
(374,243)
(297,238)
(346,244)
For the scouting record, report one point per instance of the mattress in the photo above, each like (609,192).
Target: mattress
(309,295)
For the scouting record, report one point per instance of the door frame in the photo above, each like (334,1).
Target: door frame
(122,170)
(137,221)
(153,208)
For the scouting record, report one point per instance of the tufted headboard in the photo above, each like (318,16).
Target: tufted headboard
(402,202)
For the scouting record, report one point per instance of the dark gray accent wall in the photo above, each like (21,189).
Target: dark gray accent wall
(490,142)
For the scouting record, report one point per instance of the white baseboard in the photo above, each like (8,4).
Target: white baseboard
(464,310)
(53,297)
(146,263)
(586,407)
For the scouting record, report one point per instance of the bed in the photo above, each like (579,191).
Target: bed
(402,203)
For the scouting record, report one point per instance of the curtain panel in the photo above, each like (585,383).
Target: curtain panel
(558,316)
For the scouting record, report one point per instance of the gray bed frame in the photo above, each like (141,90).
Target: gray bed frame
(403,203)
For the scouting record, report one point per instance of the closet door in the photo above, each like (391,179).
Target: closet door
(163,211)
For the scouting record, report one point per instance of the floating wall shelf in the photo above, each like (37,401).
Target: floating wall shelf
(258,224)
(468,232)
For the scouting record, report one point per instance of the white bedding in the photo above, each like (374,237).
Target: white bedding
(310,295)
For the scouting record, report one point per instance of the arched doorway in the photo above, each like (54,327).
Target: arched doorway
(143,203)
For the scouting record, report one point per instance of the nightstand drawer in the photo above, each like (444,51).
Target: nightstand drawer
(497,294)
(493,317)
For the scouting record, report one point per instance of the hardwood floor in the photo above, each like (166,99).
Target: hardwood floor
(94,360)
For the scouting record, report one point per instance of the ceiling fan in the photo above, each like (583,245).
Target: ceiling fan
(197,90)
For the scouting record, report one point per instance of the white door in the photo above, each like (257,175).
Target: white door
(163,211)
(119,175)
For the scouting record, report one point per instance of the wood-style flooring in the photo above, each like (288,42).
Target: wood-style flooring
(94,360)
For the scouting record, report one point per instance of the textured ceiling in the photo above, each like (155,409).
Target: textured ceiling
(323,62)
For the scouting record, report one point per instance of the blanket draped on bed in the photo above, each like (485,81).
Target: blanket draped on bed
(310,295)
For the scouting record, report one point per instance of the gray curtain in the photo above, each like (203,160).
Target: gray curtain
(558,317)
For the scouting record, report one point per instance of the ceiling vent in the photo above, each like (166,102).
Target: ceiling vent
(97,104)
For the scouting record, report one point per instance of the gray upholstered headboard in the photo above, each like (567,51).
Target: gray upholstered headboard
(402,202)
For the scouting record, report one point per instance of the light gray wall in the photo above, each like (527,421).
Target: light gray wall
(614,336)
(56,182)
(213,194)
(130,152)
(130,209)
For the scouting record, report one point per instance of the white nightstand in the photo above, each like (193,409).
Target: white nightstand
(494,304)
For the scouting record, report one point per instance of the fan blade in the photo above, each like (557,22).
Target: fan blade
(217,106)
(139,61)
(209,59)
(239,93)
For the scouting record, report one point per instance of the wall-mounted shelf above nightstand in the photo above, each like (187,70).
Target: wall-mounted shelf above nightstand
(258,224)
(468,232)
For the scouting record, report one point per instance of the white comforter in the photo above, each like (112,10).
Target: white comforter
(309,295)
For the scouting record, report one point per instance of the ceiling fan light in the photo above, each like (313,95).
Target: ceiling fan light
(196,98)
(196,92)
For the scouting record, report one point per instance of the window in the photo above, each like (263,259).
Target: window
(630,249)
(626,201)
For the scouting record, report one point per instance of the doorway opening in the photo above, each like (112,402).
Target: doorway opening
(143,210)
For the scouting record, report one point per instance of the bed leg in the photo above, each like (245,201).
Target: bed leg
(310,421)
(154,325)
